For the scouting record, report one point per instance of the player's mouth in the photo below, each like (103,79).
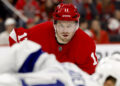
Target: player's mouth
(65,35)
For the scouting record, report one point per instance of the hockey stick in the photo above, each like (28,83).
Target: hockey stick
(18,13)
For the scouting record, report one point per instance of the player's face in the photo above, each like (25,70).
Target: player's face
(65,30)
(9,28)
(109,83)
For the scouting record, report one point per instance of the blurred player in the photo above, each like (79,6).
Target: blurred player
(10,24)
(108,71)
(27,65)
(110,81)
(64,38)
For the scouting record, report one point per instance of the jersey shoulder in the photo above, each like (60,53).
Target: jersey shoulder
(42,26)
(84,38)
(86,41)
(41,33)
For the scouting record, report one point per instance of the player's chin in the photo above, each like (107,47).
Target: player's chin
(66,39)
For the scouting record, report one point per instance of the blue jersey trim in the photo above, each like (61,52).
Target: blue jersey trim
(58,83)
(30,62)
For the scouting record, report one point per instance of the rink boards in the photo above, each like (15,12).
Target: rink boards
(102,50)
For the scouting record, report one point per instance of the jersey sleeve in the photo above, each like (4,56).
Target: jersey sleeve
(12,37)
(91,59)
(17,35)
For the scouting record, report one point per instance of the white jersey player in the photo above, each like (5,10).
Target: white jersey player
(108,71)
(27,65)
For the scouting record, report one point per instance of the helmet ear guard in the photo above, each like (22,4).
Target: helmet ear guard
(67,12)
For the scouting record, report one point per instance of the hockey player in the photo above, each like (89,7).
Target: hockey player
(27,65)
(64,38)
(108,71)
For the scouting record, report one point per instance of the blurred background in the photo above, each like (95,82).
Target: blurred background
(100,19)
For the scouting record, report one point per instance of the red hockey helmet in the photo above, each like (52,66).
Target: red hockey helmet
(66,12)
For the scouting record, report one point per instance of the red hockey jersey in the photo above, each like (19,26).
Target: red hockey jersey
(17,35)
(80,50)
